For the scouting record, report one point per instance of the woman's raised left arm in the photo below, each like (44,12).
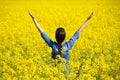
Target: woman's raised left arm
(35,22)
(43,34)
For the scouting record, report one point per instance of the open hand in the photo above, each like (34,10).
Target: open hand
(91,15)
(31,14)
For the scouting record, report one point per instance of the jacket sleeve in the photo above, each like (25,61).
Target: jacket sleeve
(47,39)
(72,40)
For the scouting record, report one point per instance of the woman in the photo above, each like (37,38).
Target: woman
(60,47)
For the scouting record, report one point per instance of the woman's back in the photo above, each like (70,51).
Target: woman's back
(66,46)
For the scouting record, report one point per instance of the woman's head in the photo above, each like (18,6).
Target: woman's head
(60,35)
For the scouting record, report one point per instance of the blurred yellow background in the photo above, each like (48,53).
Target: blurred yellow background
(24,54)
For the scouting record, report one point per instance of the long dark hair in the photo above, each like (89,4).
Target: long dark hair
(60,37)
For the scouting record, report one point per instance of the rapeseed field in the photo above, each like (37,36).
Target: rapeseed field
(25,56)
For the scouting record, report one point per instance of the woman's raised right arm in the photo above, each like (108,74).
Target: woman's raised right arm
(77,33)
(85,23)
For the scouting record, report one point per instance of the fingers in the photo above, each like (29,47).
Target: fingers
(30,14)
(90,16)
(92,13)
(28,11)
